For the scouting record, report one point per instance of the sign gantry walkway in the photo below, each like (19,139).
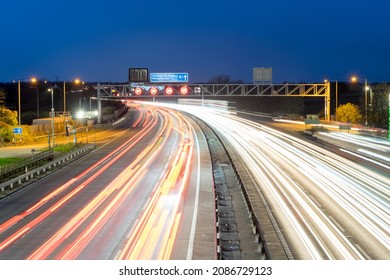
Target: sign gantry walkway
(114,91)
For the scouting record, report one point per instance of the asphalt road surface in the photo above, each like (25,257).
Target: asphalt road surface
(327,206)
(132,198)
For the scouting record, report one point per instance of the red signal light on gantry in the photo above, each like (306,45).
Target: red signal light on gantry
(168,90)
(153,90)
(184,90)
(138,91)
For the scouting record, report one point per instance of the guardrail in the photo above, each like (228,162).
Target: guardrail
(12,183)
(25,164)
(28,175)
(82,129)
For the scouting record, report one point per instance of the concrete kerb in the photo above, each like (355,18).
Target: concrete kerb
(31,174)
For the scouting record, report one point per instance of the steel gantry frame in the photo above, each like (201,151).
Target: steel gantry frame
(120,91)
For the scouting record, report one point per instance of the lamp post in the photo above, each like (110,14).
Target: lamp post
(37,101)
(52,115)
(388,128)
(19,111)
(366,88)
(51,89)
(33,80)
(76,81)
(337,95)
(64,98)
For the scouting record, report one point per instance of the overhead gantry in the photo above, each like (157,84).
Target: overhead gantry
(153,90)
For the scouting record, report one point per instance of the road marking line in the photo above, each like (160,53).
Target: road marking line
(196,204)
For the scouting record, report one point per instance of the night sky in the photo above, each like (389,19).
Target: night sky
(303,40)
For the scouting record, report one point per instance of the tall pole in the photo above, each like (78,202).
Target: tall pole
(19,112)
(37,103)
(52,116)
(370,104)
(388,128)
(37,91)
(365,100)
(337,94)
(64,99)
(337,99)
(99,104)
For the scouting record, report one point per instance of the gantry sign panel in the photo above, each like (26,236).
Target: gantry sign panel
(138,75)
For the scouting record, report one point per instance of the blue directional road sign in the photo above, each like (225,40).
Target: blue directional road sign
(17,130)
(169,77)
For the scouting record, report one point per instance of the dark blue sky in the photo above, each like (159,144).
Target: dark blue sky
(302,40)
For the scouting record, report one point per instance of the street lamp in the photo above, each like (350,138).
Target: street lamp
(51,89)
(33,80)
(366,88)
(77,82)
(37,101)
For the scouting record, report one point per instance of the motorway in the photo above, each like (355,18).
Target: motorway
(326,206)
(139,200)
(132,198)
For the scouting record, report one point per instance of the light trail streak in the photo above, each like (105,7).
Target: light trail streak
(125,182)
(141,115)
(311,190)
(154,235)
(36,206)
(367,159)
(82,240)
(381,157)
(62,188)
(372,143)
(107,161)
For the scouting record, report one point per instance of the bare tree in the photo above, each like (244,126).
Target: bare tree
(220,79)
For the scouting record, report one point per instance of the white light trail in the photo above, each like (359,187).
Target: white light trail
(320,199)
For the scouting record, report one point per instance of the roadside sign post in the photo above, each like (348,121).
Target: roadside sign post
(18,131)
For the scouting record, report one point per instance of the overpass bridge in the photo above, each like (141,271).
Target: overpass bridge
(152,90)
